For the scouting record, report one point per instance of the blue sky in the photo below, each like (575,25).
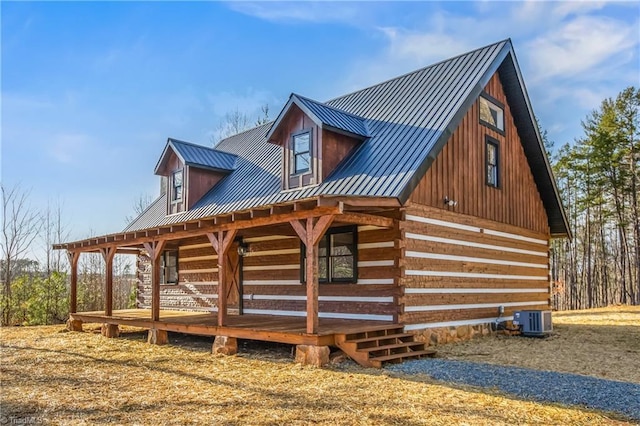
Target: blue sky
(91,91)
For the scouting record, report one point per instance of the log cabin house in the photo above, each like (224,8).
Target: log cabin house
(378,222)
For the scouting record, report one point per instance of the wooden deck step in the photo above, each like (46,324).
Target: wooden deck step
(373,347)
(377,338)
(407,355)
(393,346)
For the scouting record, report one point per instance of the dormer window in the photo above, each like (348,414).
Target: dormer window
(176,186)
(301,149)
(491,113)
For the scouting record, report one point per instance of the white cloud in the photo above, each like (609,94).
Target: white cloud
(566,8)
(68,148)
(580,45)
(248,102)
(423,47)
(300,11)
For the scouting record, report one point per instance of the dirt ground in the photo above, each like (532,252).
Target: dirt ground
(49,376)
(602,343)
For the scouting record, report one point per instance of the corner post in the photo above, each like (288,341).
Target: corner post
(73,256)
(154,249)
(312,280)
(108,254)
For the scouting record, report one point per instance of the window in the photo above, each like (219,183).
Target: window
(491,162)
(176,186)
(491,113)
(169,270)
(301,152)
(337,256)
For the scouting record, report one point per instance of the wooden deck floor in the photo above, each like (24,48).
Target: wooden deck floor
(270,328)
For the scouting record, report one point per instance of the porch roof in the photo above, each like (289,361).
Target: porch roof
(345,210)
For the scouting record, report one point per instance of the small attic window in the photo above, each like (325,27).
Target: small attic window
(301,149)
(491,113)
(176,186)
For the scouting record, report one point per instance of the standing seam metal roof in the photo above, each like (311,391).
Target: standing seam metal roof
(407,120)
(335,117)
(201,156)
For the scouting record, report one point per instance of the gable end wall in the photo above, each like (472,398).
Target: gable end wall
(460,264)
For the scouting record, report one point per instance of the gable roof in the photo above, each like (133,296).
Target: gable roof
(326,116)
(198,156)
(407,121)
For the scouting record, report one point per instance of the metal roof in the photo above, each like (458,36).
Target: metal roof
(407,120)
(199,156)
(333,117)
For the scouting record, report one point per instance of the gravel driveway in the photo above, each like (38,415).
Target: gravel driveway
(535,385)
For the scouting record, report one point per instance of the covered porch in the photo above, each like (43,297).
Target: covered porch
(359,311)
(272,328)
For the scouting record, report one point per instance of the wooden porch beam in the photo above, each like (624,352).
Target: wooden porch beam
(211,225)
(108,253)
(366,219)
(73,256)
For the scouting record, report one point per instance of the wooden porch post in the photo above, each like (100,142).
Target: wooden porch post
(310,235)
(73,256)
(221,243)
(108,254)
(154,249)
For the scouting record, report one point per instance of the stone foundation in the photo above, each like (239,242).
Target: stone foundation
(74,325)
(442,335)
(312,355)
(158,337)
(224,345)
(110,330)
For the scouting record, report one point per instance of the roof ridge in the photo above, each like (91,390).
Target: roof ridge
(243,131)
(330,106)
(189,143)
(419,70)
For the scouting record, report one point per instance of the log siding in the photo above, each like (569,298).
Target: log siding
(458,269)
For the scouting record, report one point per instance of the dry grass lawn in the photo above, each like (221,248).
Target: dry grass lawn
(52,377)
(602,343)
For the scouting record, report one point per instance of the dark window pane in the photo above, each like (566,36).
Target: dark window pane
(342,244)
(322,247)
(342,267)
(322,269)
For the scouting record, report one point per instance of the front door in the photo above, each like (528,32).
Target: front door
(234,280)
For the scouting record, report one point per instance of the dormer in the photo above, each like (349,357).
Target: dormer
(315,138)
(189,171)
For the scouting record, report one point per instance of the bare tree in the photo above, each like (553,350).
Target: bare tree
(20,226)
(231,124)
(140,204)
(264,118)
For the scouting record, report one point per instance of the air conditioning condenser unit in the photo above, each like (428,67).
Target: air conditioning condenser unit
(533,323)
